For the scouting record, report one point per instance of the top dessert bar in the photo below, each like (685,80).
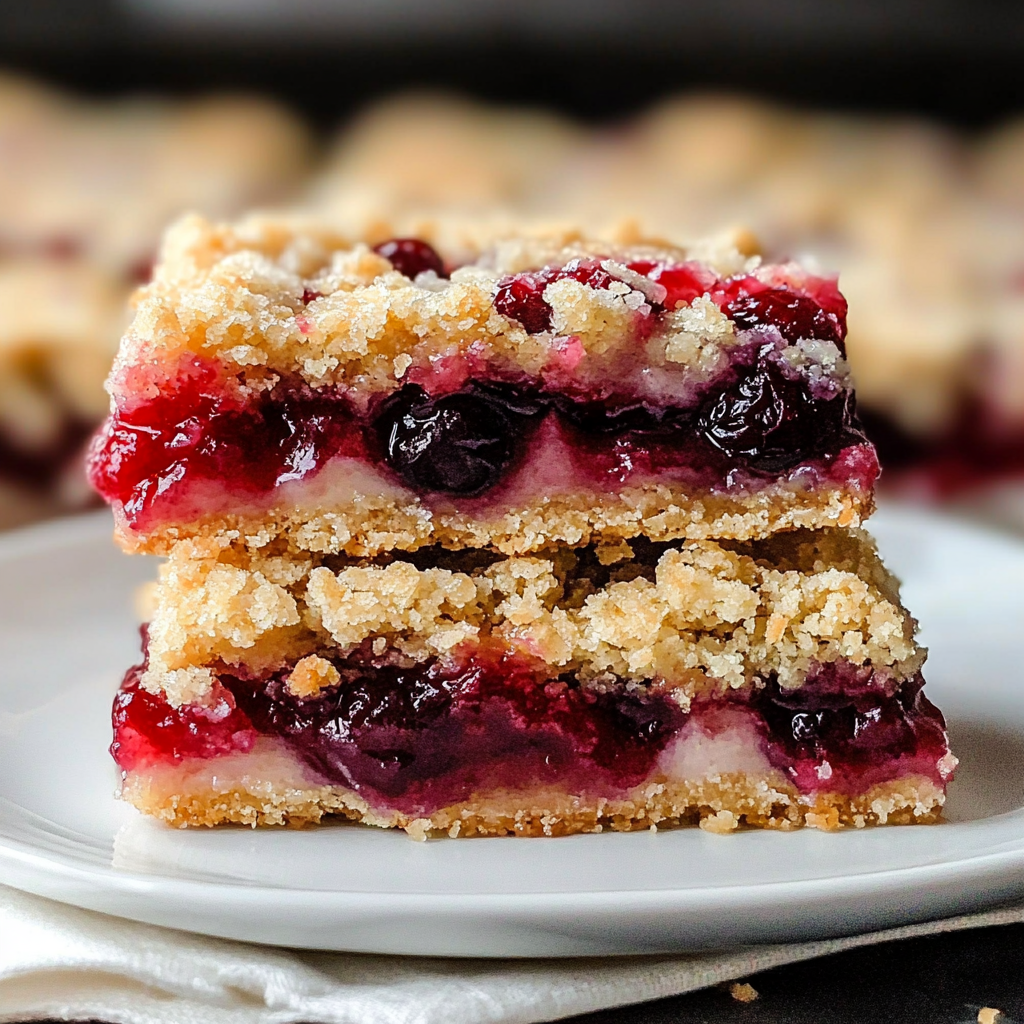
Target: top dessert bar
(363,395)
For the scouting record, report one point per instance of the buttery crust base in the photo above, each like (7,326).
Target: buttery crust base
(371,524)
(720,804)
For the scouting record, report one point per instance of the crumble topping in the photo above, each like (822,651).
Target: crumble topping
(311,675)
(743,992)
(236,293)
(699,615)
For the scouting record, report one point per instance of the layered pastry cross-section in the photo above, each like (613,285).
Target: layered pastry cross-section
(771,683)
(532,535)
(281,380)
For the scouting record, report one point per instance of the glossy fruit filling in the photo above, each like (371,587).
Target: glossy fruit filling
(153,461)
(421,737)
(758,417)
(840,732)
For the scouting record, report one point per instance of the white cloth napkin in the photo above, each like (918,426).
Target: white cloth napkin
(58,961)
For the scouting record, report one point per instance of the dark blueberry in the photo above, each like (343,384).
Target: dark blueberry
(809,723)
(771,422)
(796,316)
(641,717)
(516,401)
(460,443)
(411,256)
(600,418)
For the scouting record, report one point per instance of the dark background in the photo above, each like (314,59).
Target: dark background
(599,59)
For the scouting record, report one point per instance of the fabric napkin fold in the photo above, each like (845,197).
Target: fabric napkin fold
(63,962)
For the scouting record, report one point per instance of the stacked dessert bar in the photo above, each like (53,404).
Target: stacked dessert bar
(558,535)
(85,191)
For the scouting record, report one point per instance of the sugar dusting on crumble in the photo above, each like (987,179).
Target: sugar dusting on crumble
(235,293)
(699,615)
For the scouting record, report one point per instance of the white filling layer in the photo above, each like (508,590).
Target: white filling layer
(719,743)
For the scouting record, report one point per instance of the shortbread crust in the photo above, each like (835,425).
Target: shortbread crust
(207,796)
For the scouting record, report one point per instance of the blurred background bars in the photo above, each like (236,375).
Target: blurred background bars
(878,139)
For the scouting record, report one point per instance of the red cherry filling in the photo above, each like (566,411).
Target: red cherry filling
(148,731)
(682,282)
(411,256)
(420,737)
(521,296)
(197,431)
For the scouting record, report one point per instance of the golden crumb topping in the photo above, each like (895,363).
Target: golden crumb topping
(695,615)
(272,296)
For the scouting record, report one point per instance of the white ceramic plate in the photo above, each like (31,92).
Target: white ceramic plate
(67,632)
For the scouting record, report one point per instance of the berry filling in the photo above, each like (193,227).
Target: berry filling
(459,443)
(411,257)
(421,737)
(464,443)
(521,296)
(761,414)
(838,729)
(198,431)
(795,316)
(772,422)
(148,731)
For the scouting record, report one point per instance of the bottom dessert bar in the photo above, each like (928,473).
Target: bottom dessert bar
(769,684)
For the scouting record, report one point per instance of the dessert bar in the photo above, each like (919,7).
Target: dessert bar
(280,380)
(772,683)
(528,535)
